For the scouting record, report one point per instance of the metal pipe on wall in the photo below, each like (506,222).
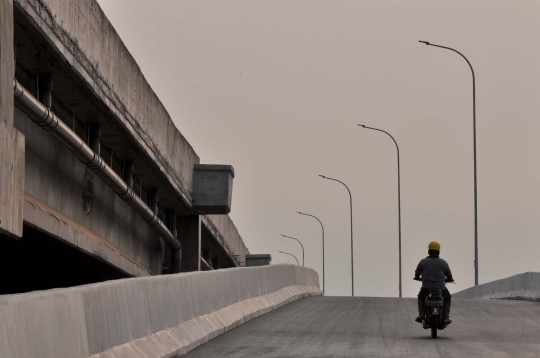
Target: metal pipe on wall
(46,119)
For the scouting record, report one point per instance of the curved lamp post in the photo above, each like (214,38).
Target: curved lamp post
(290,237)
(399,201)
(322,227)
(286,253)
(474,150)
(352,251)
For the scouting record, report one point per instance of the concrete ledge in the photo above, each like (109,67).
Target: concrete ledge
(160,316)
(179,340)
(54,223)
(525,286)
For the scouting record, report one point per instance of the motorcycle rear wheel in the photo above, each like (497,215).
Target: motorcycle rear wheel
(434,326)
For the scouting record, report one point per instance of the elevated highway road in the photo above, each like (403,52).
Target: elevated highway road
(382,327)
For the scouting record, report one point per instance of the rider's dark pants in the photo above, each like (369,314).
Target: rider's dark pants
(424,292)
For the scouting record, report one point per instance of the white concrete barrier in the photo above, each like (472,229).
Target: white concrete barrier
(525,286)
(160,316)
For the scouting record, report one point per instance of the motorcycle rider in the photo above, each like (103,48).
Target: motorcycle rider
(434,273)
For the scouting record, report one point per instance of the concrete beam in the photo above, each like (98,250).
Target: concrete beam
(189,234)
(55,181)
(65,229)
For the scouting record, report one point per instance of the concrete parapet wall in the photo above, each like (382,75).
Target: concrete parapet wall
(525,286)
(162,316)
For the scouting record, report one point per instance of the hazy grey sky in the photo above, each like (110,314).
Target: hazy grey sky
(276,89)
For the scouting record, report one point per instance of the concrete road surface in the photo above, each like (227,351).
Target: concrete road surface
(382,327)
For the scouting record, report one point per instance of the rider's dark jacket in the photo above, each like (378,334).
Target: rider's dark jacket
(433,271)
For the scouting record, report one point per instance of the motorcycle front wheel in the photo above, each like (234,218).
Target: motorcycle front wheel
(434,326)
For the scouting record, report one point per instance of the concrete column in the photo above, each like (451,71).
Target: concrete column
(128,172)
(207,254)
(94,135)
(45,90)
(12,141)
(176,255)
(171,258)
(156,246)
(189,234)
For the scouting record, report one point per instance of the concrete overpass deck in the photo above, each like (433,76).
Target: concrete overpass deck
(382,327)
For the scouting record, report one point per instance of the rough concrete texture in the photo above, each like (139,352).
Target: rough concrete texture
(212,189)
(81,33)
(223,229)
(158,316)
(525,286)
(382,327)
(12,142)
(53,189)
(258,260)
(60,226)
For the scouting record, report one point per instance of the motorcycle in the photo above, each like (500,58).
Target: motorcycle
(434,308)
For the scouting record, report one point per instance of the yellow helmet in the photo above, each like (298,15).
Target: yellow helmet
(434,245)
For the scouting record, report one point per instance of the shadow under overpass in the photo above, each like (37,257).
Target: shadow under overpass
(40,262)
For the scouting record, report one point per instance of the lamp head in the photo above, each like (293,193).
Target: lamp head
(361,125)
(322,176)
(424,42)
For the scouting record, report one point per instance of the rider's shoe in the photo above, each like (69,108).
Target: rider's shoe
(421,310)
(446,314)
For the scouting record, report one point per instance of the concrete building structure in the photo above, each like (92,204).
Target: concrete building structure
(132,198)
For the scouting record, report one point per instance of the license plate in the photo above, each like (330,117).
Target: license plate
(434,303)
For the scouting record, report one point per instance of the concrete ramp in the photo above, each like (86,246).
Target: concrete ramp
(162,316)
(373,327)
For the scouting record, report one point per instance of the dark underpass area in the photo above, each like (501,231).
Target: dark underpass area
(41,262)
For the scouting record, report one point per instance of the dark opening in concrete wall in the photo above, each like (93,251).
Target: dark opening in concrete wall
(41,262)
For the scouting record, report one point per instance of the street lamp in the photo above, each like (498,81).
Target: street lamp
(322,227)
(399,200)
(300,245)
(352,251)
(286,253)
(474,150)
